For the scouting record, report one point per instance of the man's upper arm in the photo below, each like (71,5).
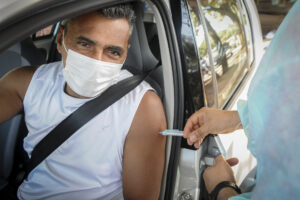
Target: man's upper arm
(13,87)
(144,151)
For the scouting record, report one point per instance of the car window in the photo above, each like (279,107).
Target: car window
(228,45)
(271,14)
(274,6)
(44,33)
(225,46)
(203,53)
(193,86)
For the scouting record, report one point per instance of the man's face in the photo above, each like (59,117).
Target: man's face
(97,37)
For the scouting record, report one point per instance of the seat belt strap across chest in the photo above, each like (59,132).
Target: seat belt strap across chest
(79,118)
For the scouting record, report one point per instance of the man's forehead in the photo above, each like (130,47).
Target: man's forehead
(96,21)
(100,29)
(94,18)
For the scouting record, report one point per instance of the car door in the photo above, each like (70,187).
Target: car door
(221,46)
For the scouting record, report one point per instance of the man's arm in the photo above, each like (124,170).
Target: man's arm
(144,151)
(13,87)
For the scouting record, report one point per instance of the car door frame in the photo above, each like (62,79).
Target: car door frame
(212,146)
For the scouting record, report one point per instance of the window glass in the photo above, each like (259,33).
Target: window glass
(206,73)
(271,14)
(248,33)
(45,32)
(228,45)
(274,6)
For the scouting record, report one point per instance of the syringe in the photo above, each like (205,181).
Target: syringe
(172,132)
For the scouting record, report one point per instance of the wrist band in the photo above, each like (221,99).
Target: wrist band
(215,192)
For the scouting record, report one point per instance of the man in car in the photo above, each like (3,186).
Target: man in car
(119,152)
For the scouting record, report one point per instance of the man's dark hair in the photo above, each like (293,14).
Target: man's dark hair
(114,12)
(120,11)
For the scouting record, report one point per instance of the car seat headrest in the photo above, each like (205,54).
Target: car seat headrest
(140,57)
(11,58)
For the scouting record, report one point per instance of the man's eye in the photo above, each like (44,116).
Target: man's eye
(83,44)
(115,53)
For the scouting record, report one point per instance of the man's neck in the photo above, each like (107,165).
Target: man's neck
(71,93)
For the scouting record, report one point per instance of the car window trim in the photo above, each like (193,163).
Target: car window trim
(247,74)
(237,86)
(251,30)
(209,49)
(244,32)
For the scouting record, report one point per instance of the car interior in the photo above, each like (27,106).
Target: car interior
(143,55)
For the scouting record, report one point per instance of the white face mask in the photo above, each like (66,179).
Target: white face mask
(89,77)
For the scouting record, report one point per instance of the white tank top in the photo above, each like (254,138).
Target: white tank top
(89,164)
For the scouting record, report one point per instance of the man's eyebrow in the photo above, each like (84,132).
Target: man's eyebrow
(86,39)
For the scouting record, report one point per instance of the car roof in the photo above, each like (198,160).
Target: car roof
(13,9)
(31,15)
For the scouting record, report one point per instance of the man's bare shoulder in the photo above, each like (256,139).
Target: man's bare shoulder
(151,110)
(151,99)
(22,72)
(18,79)
(149,120)
(13,87)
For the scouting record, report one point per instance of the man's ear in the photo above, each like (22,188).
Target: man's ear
(59,38)
(129,45)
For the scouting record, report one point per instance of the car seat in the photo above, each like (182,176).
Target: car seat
(35,56)
(140,57)
(9,59)
(152,37)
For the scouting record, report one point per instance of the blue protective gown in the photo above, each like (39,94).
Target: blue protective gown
(271,116)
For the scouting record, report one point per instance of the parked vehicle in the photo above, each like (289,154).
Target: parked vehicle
(208,50)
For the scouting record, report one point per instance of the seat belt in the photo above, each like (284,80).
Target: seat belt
(80,117)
